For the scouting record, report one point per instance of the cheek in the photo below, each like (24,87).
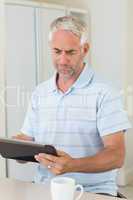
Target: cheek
(54,58)
(77,58)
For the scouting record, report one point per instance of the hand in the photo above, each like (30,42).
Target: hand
(57,165)
(22,136)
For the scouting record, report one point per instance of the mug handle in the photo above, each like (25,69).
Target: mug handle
(81,191)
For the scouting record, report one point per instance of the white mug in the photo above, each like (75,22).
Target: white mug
(63,188)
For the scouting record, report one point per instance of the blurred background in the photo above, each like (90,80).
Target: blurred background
(25,60)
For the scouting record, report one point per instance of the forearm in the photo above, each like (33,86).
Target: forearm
(108,158)
(105,160)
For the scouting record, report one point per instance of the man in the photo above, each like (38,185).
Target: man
(79,114)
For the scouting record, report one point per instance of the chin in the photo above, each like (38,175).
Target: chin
(65,75)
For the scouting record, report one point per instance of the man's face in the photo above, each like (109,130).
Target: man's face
(67,53)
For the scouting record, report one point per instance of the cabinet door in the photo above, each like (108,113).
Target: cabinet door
(44,18)
(20,76)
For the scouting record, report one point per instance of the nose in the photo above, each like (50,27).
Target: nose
(63,58)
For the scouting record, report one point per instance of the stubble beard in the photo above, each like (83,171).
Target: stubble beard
(73,72)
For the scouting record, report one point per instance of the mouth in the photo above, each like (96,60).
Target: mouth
(64,70)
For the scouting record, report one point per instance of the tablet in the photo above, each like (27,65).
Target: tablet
(23,150)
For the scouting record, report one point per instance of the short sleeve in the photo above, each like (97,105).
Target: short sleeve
(111,116)
(30,122)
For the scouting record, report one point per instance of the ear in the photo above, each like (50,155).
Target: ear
(86,47)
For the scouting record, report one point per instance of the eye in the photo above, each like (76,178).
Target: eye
(57,51)
(71,52)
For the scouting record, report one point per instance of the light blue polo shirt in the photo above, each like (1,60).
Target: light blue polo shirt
(75,122)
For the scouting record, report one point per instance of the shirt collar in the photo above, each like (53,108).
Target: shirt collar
(84,79)
(52,87)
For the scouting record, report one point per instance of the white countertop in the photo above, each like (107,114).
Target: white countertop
(18,190)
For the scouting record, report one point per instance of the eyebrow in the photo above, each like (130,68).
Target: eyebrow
(67,51)
(56,49)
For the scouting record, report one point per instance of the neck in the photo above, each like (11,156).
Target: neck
(64,83)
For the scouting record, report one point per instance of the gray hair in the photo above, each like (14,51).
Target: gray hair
(72,24)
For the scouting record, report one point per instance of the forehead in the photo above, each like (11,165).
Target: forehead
(64,39)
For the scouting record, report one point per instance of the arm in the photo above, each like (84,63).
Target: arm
(110,157)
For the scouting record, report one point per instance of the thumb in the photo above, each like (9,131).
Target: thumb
(61,153)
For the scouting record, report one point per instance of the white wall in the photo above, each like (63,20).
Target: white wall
(76,3)
(82,4)
(129,91)
(69,3)
(112,56)
(108,32)
(130,42)
(2,83)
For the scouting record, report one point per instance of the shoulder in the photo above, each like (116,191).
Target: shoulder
(104,89)
(41,91)
(43,88)
(103,86)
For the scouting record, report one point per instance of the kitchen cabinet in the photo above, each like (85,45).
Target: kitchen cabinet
(20,75)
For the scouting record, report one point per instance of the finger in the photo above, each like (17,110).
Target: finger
(42,160)
(20,135)
(55,171)
(55,168)
(48,157)
(61,153)
(23,137)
